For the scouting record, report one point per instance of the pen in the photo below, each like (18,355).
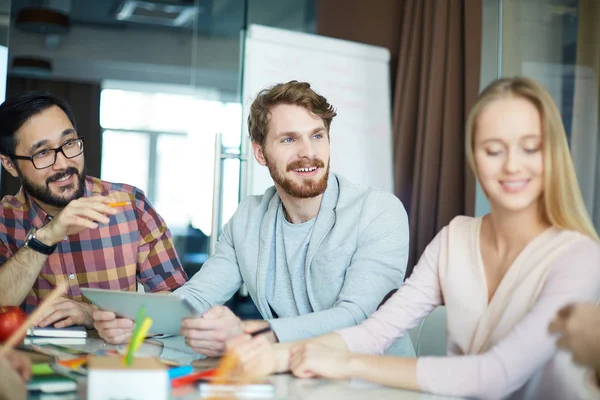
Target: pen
(260,331)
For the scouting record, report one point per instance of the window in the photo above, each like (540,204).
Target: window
(118,159)
(164,144)
(557,43)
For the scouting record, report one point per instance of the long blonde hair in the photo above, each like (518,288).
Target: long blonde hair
(561,203)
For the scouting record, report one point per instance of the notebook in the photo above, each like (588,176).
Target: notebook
(61,341)
(53,383)
(49,331)
(45,380)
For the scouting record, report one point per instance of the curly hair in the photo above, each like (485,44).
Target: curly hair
(293,92)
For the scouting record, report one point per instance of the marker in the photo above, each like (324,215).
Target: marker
(141,335)
(179,372)
(192,378)
(73,363)
(141,322)
(41,369)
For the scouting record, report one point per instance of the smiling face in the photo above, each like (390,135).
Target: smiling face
(296,151)
(508,153)
(60,183)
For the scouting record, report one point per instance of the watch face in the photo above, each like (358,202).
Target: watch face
(30,235)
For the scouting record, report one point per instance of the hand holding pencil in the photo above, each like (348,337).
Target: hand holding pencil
(208,333)
(249,356)
(79,215)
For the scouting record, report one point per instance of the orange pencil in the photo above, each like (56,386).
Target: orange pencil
(119,204)
(73,363)
(192,378)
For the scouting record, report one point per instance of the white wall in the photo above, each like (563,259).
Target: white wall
(354,77)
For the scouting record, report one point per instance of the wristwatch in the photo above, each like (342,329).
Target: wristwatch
(34,244)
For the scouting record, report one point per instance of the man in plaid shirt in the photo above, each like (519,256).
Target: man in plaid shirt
(60,225)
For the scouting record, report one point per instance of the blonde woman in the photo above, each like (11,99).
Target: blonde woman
(502,277)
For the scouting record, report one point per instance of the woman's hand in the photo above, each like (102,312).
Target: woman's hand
(309,360)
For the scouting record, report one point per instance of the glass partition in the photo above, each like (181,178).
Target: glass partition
(556,42)
(167,84)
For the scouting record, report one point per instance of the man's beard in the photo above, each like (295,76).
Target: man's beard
(45,195)
(307,188)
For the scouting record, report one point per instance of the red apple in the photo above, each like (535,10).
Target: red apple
(11,318)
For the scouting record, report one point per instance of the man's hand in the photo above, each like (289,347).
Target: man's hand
(255,325)
(257,356)
(578,326)
(79,215)
(66,312)
(112,329)
(208,334)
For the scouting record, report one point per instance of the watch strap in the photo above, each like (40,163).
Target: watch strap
(34,244)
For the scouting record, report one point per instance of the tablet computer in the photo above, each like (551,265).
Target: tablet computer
(166,311)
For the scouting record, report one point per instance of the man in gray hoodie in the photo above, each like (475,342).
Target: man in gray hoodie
(316,252)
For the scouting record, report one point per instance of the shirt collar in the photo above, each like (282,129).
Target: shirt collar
(37,216)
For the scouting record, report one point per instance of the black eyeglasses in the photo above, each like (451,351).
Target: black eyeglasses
(47,158)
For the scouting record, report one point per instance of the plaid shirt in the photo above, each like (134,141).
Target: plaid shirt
(134,246)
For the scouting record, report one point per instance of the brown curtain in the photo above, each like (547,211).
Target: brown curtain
(436,57)
(437,82)
(84,99)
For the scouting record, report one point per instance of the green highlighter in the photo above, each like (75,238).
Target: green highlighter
(41,369)
(137,335)
(44,379)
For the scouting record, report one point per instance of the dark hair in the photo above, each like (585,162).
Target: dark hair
(293,92)
(17,110)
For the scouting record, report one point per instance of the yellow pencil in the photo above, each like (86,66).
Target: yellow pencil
(142,333)
(119,204)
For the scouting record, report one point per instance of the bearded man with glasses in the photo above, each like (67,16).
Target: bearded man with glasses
(60,226)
